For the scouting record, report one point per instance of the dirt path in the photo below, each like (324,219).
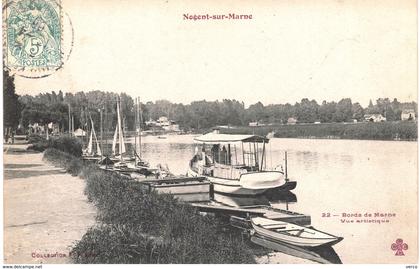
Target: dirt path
(45,210)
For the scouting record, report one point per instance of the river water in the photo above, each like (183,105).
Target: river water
(335,177)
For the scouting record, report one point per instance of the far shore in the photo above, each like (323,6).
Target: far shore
(385,131)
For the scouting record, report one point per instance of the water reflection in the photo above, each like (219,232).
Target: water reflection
(278,196)
(328,253)
(240,201)
(327,169)
(271,197)
(309,159)
(323,254)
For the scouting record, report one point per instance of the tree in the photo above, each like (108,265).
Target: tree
(343,111)
(396,107)
(256,112)
(327,111)
(371,109)
(11,106)
(307,111)
(358,112)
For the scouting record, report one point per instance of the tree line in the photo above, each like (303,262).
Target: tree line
(54,107)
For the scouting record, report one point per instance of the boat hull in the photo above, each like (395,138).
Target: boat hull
(287,238)
(229,186)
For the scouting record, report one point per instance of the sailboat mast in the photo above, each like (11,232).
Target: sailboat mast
(140,121)
(135,129)
(119,127)
(106,126)
(87,124)
(70,134)
(285,166)
(72,124)
(102,147)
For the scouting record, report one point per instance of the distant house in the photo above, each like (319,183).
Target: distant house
(374,118)
(164,123)
(151,123)
(291,121)
(79,133)
(408,114)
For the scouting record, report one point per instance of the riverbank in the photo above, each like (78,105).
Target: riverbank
(136,226)
(45,209)
(398,130)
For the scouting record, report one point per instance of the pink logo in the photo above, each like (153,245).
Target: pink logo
(399,246)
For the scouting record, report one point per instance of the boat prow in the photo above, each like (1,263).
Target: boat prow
(262,180)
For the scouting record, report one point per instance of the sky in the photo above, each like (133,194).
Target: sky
(322,50)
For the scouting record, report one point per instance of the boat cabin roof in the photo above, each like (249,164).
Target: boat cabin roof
(212,138)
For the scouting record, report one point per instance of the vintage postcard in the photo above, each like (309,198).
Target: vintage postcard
(210,132)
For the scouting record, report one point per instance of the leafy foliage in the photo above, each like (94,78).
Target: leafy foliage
(71,164)
(11,105)
(69,145)
(197,115)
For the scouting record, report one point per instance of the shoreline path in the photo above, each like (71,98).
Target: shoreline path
(45,209)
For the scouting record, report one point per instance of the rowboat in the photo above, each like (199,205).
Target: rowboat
(292,234)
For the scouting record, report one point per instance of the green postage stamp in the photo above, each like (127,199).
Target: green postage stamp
(33,35)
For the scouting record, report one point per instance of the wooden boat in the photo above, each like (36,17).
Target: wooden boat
(236,164)
(184,188)
(292,234)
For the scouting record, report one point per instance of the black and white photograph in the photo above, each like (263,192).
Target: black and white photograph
(210,132)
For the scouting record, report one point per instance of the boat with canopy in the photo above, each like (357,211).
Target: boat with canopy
(236,164)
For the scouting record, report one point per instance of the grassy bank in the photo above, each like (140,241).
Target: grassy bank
(401,130)
(140,227)
(71,145)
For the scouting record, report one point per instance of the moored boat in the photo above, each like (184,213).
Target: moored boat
(236,164)
(292,234)
(91,153)
(133,164)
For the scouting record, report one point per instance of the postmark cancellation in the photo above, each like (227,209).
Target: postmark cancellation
(33,41)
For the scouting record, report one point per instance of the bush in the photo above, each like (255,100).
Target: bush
(128,244)
(66,144)
(71,145)
(136,226)
(40,145)
(34,138)
(70,163)
(131,213)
